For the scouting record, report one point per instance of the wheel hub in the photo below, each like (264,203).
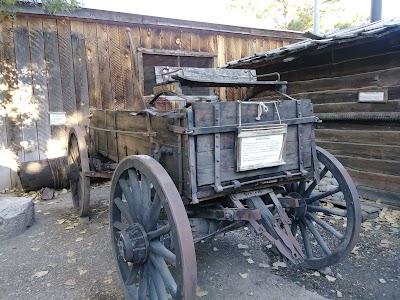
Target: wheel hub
(300,210)
(133,244)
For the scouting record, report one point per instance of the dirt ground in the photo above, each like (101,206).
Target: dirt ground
(64,257)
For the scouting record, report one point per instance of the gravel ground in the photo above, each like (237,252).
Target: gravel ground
(64,257)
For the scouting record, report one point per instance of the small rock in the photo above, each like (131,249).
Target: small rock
(63,191)
(316,273)
(41,274)
(201,293)
(215,249)
(339,276)
(242,246)
(279,264)
(244,275)
(382,280)
(339,294)
(262,265)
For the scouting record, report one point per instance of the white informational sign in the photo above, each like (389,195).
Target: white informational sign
(260,148)
(57,118)
(372,97)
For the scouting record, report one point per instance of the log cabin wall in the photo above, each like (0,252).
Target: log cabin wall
(355,132)
(72,62)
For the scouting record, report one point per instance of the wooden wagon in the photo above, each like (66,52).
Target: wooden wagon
(204,167)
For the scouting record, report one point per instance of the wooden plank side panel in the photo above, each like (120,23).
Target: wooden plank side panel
(388,167)
(53,73)
(80,73)
(145,37)
(40,92)
(376,180)
(93,68)
(10,80)
(186,40)
(25,101)
(67,71)
(390,106)
(127,72)
(104,66)
(115,67)
(5,172)
(381,138)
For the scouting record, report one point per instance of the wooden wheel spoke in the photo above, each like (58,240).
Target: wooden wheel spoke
(143,284)
(317,237)
(327,211)
(159,232)
(123,209)
(312,186)
(306,240)
(293,227)
(158,248)
(325,225)
(130,280)
(134,206)
(137,203)
(120,226)
(302,187)
(154,212)
(322,195)
(152,289)
(165,274)
(146,197)
(158,282)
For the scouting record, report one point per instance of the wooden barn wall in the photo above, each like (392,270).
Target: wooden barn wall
(369,150)
(59,64)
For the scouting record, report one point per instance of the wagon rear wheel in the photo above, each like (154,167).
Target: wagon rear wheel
(328,225)
(78,165)
(150,232)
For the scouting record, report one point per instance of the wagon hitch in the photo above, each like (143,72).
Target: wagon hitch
(281,238)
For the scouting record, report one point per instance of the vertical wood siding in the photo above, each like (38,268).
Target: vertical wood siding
(56,64)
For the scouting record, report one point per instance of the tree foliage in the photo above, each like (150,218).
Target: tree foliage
(297,14)
(8,7)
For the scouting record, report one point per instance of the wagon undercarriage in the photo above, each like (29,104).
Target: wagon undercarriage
(206,167)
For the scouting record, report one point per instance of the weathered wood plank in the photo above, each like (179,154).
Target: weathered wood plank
(347,148)
(155,34)
(10,80)
(186,41)
(381,138)
(388,167)
(54,87)
(386,77)
(80,73)
(93,68)
(39,80)
(390,106)
(375,180)
(116,67)
(145,37)
(67,71)
(5,175)
(126,63)
(104,65)
(195,42)
(25,101)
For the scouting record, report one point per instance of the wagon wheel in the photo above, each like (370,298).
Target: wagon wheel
(327,233)
(78,164)
(150,233)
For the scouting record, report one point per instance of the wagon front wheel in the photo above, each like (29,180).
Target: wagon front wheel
(78,165)
(150,233)
(327,222)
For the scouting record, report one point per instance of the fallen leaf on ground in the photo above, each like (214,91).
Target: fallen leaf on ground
(250,261)
(245,253)
(262,265)
(242,246)
(79,239)
(330,278)
(215,249)
(60,221)
(83,231)
(82,271)
(41,274)
(70,253)
(108,280)
(70,282)
(35,249)
(69,227)
(382,280)
(316,273)
(339,294)
(269,246)
(201,293)
(72,260)
(244,275)
(52,265)
(279,264)
(41,233)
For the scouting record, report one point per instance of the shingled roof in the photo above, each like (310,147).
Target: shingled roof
(333,38)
